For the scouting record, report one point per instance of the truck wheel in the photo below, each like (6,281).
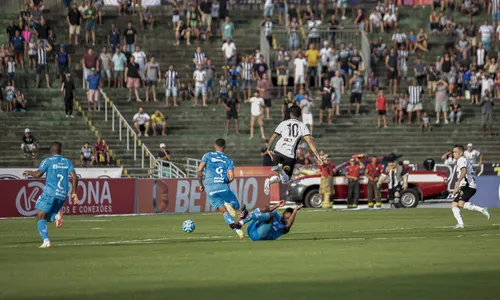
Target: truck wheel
(313,199)
(409,198)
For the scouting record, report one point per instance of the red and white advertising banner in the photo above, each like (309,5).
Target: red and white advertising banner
(96,196)
(184,196)
(17,173)
(241,171)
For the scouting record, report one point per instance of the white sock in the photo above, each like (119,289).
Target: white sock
(282,172)
(284,178)
(470,206)
(46,241)
(457,215)
(274,179)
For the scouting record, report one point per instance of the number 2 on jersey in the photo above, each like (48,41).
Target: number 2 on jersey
(61,177)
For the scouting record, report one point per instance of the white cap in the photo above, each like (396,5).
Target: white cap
(469,145)
(162,145)
(325,43)
(27,130)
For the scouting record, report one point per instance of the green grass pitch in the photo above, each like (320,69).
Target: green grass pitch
(384,254)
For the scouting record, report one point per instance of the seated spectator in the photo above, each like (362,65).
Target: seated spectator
(373,83)
(86,155)
(397,111)
(29,144)
(426,123)
(390,20)
(434,22)
(308,14)
(422,41)
(101,153)
(376,21)
(381,106)
(141,122)
(20,103)
(37,4)
(468,7)
(360,19)
(455,111)
(491,66)
(159,123)
(163,154)
(147,19)
(399,38)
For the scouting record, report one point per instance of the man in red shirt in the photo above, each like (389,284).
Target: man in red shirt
(352,173)
(326,188)
(101,152)
(373,172)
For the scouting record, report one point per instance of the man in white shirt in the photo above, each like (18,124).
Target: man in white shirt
(306,106)
(325,54)
(390,20)
(228,54)
(376,21)
(140,59)
(141,122)
(472,155)
(200,77)
(486,32)
(256,109)
(299,66)
(486,84)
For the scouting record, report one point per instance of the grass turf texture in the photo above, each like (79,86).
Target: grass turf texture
(385,254)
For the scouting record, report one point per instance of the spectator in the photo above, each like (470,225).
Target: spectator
(481,56)
(420,71)
(215,16)
(487,110)
(337,83)
(327,171)
(89,61)
(159,123)
(114,38)
(397,111)
(475,87)
(26,14)
(299,72)
(17,43)
(432,78)
(41,67)
(119,60)
(267,160)
(267,27)
(306,106)
(89,15)
(357,85)
(352,176)
(36,17)
(355,61)
(381,106)
(101,153)
(415,100)
(422,41)
(68,89)
(472,155)
(130,37)
(260,67)
(11,70)
(9,96)
(20,103)
(223,90)
(293,35)
(152,75)
(448,158)
(132,77)
(268,9)
(164,154)
(205,10)
(247,74)
(426,123)
(193,19)
(227,29)
(63,61)
(140,58)
(29,144)
(327,97)
(264,87)
(313,35)
(199,58)
(399,39)
(373,83)
(390,20)
(86,155)
(373,172)
(391,62)
(171,85)
(376,21)
(257,106)
(27,34)
(486,32)
(288,102)
(93,81)
(232,107)
(228,54)
(141,122)
(455,111)
(312,56)
(182,32)
(11,31)
(200,78)
(341,4)
(441,100)
(105,64)
(147,19)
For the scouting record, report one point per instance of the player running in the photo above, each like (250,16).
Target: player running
(284,154)
(219,172)
(58,169)
(465,188)
(266,223)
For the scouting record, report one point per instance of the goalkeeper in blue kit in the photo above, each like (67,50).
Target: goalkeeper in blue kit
(266,223)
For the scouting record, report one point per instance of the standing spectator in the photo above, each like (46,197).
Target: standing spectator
(448,158)
(475,87)
(89,61)
(455,111)
(11,71)
(441,100)
(403,63)
(264,87)
(282,72)
(11,31)
(227,29)
(299,72)
(487,110)
(288,102)
(415,100)
(234,75)
(68,89)
(373,172)
(293,35)
(247,74)
(432,78)
(327,97)
(211,75)
(41,66)
(130,37)
(152,75)
(29,144)
(119,60)
(357,85)
(147,19)
(98,4)
(114,38)
(164,154)
(228,54)
(472,155)
(312,56)
(63,61)
(268,9)
(89,15)
(232,107)
(267,27)
(199,58)
(74,19)
(352,174)
(105,64)
(132,77)
(141,122)
(306,106)
(355,61)
(257,105)
(326,189)
(17,43)
(426,123)
(159,123)
(487,84)
(101,153)
(391,62)
(171,85)
(267,161)
(140,58)
(381,106)
(86,155)
(200,78)
(486,32)
(420,71)
(205,9)
(260,67)
(399,38)
(215,16)
(337,83)
(93,89)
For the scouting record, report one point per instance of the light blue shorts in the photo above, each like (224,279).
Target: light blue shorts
(218,197)
(50,206)
(257,230)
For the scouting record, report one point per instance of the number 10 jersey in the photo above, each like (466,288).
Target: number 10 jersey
(291,132)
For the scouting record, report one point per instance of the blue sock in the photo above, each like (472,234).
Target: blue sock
(235,204)
(42,229)
(244,221)
(257,215)
(229,219)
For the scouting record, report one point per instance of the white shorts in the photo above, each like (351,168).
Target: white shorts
(307,119)
(341,3)
(29,147)
(299,79)
(175,18)
(200,90)
(171,92)
(414,107)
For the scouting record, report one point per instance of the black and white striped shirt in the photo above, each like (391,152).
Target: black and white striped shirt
(403,58)
(480,56)
(392,8)
(268,28)
(199,57)
(474,82)
(247,70)
(171,76)
(415,94)
(42,55)
(399,37)
(495,6)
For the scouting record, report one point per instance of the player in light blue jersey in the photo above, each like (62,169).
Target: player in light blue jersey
(219,172)
(57,170)
(266,223)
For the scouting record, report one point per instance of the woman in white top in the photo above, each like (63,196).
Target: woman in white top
(448,158)
(256,109)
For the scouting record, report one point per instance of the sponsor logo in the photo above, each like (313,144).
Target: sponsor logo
(27,196)
(8,177)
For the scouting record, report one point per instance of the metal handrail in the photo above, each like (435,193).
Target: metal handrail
(192,167)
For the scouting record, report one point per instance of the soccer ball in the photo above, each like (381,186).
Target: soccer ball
(188,226)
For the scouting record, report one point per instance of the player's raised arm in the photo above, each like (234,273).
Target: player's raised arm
(290,221)
(312,145)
